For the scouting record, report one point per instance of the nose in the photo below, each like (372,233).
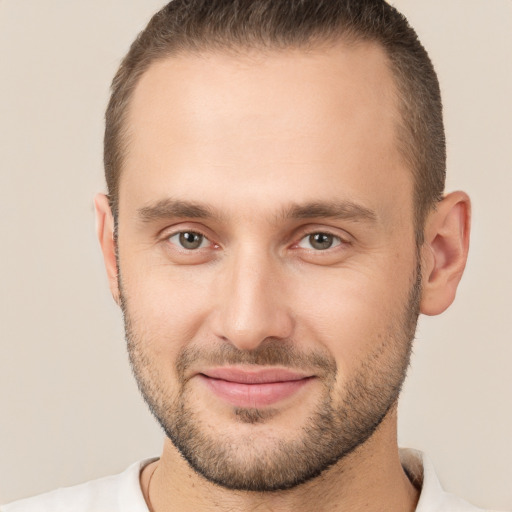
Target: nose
(252,305)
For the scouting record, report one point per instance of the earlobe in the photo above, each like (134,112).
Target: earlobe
(105,233)
(445,252)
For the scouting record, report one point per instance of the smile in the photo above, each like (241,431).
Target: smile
(254,389)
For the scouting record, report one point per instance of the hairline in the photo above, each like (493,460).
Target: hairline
(318,43)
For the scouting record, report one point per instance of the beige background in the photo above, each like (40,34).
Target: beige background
(69,410)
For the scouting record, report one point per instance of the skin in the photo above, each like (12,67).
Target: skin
(262,133)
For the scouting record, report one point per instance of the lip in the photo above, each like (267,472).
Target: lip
(253,388)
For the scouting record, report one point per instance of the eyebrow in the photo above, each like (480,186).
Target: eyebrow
(171,208)
(174,208)
(342,210)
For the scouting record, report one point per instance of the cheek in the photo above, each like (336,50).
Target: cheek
(167,306)
(352,314)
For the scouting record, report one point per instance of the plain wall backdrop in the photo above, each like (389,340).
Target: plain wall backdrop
(69,409)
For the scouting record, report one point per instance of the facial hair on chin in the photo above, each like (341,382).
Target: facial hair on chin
(341,420)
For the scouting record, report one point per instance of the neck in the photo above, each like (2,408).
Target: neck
(370,478)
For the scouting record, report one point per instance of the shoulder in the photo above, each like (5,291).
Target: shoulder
(433,498)
(108,494)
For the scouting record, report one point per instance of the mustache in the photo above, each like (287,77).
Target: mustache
(271,352)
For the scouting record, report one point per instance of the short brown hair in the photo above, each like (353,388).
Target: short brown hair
(209,25)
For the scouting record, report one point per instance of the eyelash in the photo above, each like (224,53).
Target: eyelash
(336,240)
(189,232)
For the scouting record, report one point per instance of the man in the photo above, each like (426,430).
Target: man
(275,223)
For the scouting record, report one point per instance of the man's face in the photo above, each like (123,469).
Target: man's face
(268,269)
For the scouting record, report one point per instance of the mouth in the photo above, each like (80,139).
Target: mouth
(251,388)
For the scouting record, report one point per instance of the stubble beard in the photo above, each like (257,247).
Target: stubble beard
(340,422)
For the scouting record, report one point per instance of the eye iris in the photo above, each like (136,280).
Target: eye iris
(321,241)
(191,240)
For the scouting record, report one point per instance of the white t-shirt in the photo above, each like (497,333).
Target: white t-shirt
(122,493)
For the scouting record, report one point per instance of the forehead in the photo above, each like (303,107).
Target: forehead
(306,121)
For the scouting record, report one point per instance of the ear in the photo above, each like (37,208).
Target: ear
(105,233)
(445,252)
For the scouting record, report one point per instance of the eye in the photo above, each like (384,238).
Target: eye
(320,241)
(189,240)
